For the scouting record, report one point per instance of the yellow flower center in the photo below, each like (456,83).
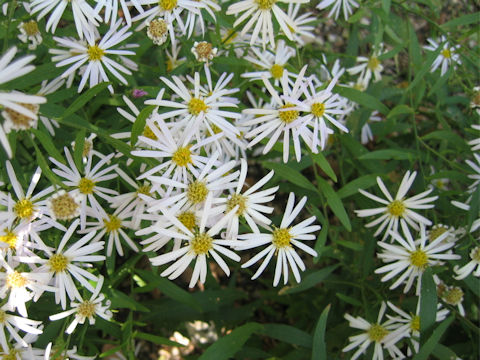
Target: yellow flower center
(289,115)
(201,243)
(86,309)
(58,263)
(196,106)
(16,280)
(95,53)
(112,224)
(265,4)
(237,199)
(10,238)
(476,98)
(187,218)
(453,296)
(183,156)
(281,238)
(3,315)
(197,192)
(87,147)
(24,208)
(419,259)
(167,5)
(204,51)
(276,71)
(373,63)
(12,355)
(475,254)
(447,54)
(31,28)
(318,109)
(157,28)
(144,189)
(436,232)
(21,121)
(396,208)
(377,332)
(415,323)
(86,186)
(64,207)
(147,132)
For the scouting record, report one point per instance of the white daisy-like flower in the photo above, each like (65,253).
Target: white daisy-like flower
(87,185)
(112,8)
(52,353)
(303,31)
(83,14)
(411,257)
(466,207)
(250,203)
(368,67)
(398,210)
(366,132)
(282,242)
(29,33)
(200,245)
(62,264)
(95,54)
(448,55)
(87,309)
(260,12)
(271,63)
(475,143)
(196,20)
(452,295)
(64,206)
(13,323)
(375,333)
(346,5)
(472,266)
(157,31)
(476,169)
(204,51)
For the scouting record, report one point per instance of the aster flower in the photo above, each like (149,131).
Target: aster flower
(472,266)
(157,31)
(87,309)
(475,143)
(172,57)
(51,352)
(447,57)
(112,8)
(366,132)
(260,12)
(375,333)
(302,32)
(204,51)
(452,295)
(196,20)
(398,210)
(281,243)
(199,244)
(411,257)
(346,5)
(13,324)
(95,54)
(368,67)
(29,33)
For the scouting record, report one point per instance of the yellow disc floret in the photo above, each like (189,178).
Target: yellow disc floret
(147,132)
(373,63)
(201,243)
(144,189)
(276,71)
(21,121)
(95,53)
(86,309)
(453,296)
(396,208)
(281,238)
(16,280)
(237,199)
(183,156)
(58,263)
(197,192)
(419,259)
(24,208)
(265,4)
(86,186)
(289,115)
(318,109)
(447,54)
(415,323)
(31,28)
(157,28)
(196,106)
(64,207)
(2,316)
(436,232)
(377,332)
(9,238)
(475,254)
(187,218)
(112,224)
(167,5)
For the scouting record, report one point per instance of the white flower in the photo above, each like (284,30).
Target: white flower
(368,66)
(397,210)
(302,32)
(452,295)
(52,353)
(95,54)
(62,264)
(204,51)
(475,143)
(249,203)
(112,8)
(467,269)
(29,33)
(172,58)
(87,309)
(13,323)
(83,14)
(195,20)
(260,12)
(200,244)
(347,6)
(366,132)
(157,30)
(375,333)
(411,257)
(447,56)
(281,242)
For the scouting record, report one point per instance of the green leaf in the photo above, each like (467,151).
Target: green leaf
(462,20)
(389,154)
(348,299)
(454,139)
(286,172)
(288,334)
(321,161)
(425,69)
(400,110)
(46,169)
(78,150)
(361,98)
(319,348)
(428,302)
(226,347)
(84,98)
(414,50)
(310,280)
(334,203)
(47,143)
(352,187)
(429,346)
(139,124)
(156,339)
(121,300)
(444,353)
(350,245)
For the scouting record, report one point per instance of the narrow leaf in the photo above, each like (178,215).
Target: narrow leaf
(334,203)
(321,161)
(139,124)
(84,98)
(400,110)
(286,172)
(429,346)
(288,334)
(156,339)
(362,98)
(310,280)
(428,302)
(319,348)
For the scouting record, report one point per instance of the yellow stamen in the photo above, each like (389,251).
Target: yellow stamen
(201,243)
(86,186)
(288,116)
(276,71)
(95,53)
(281,238)
(197,192)
(196,106)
